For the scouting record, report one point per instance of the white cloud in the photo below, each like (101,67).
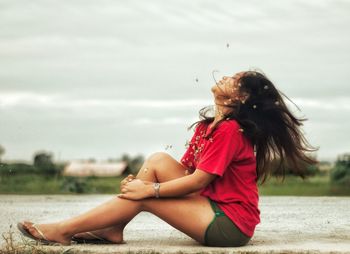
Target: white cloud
(331,104)
(58,65)
(163,121)
(19,99)
(25,99)
(52,101)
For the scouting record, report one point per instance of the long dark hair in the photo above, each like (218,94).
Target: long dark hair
(269,125)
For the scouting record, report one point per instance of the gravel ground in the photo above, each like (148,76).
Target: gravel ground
(288,225)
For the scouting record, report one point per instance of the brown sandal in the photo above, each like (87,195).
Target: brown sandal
(27,233)
(95,240)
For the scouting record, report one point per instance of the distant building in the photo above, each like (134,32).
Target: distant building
(85,168)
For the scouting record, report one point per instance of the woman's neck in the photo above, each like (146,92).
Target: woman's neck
(218,116)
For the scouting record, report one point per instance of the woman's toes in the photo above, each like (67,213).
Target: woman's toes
(31,229)
(50,232)
(26,224)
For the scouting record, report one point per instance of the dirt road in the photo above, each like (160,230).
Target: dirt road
(288,224)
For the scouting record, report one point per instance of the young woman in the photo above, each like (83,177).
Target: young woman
(211,194)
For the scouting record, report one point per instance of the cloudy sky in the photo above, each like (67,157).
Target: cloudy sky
(95,79)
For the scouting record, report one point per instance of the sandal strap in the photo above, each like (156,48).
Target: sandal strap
(96,236)
(39,231)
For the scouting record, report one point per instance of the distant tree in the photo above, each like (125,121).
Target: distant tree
(112,160)
(310,170)
(18,168)
(136,163)
(133,164)
(340,174)
(75,185)
(2,152)
(125,157)
(91,160)
(44,162)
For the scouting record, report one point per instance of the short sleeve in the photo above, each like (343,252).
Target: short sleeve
(221,149)
(187,158)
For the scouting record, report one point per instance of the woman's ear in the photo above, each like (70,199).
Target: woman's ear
(244,96)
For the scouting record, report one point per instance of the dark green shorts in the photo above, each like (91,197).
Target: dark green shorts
(222,232)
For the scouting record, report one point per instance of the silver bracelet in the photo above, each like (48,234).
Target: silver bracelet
(156,187)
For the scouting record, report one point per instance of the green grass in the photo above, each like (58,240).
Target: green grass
(314,186)
(39,184)
(108,185)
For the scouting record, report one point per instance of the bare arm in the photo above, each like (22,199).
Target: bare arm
(185,185)
(136,189)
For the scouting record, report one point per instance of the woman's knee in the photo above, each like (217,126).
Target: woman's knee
(165,167)
(156,159)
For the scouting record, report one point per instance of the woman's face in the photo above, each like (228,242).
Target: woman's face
(227,87)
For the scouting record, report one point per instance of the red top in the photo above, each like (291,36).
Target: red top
(230,155)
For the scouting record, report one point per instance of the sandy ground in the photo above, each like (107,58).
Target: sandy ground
(288,225)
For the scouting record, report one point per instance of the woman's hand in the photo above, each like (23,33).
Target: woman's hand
(136,189)
(127,179)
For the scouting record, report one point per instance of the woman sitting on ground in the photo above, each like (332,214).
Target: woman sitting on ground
(211,194)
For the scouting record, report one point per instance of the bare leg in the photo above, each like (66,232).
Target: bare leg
(190,214)
(179,212)
(112,212)
(160,167)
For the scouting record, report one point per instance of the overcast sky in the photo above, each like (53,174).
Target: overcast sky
(95,79)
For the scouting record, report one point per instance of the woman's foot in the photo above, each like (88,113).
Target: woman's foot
(112,234)
(50,232)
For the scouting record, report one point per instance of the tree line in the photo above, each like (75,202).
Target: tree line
(43,163)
